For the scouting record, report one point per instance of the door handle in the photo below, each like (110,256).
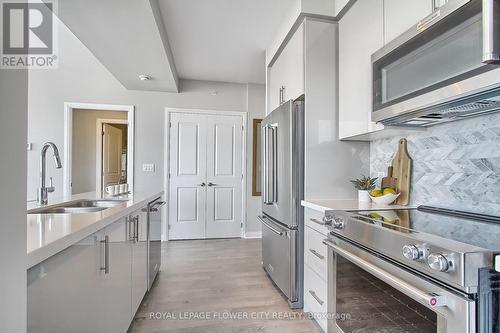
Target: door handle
(211,184)
(105,268)
(202,184)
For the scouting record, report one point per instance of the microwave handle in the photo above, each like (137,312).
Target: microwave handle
(427,299)
(491,31)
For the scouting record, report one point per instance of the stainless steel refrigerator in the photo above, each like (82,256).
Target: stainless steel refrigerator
(282,192)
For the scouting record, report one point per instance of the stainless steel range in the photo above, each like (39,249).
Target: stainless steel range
(416,270)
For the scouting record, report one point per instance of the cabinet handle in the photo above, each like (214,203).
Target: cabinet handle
(325,221)
(131,228)
(106,255)
(313,294)
(136,224)
(317,254)
(283,94)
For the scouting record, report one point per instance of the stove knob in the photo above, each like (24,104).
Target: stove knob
(412,252)
(338,223)
(438,262)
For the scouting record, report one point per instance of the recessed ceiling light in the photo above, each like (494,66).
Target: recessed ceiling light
(145,77)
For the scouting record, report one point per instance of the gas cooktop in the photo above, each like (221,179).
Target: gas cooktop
(446,245)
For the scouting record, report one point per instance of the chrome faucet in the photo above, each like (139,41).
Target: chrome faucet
(43,191)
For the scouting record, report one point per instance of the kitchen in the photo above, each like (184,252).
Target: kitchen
(225,201)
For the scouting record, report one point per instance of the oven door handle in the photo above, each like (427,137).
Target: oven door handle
(430,300)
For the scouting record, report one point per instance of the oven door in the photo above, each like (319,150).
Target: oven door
(370,294)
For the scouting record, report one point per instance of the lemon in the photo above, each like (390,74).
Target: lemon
(374,216)
(376,193)
(389,191)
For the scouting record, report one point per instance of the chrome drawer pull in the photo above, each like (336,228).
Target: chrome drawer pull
(325,221)
(317,254)
(313,294)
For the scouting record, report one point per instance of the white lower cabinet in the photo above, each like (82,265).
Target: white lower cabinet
(116,283)
(63,293)
(139,261)
(95,285)
(315,275)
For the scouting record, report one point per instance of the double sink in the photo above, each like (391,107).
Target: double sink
(78,206)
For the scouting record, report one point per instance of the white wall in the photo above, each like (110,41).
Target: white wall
(13,118)
(256,106)
(82,78)
(83,164)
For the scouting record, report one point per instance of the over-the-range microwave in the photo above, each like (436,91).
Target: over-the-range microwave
(446,67)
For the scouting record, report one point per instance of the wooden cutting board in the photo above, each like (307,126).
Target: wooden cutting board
(401,169)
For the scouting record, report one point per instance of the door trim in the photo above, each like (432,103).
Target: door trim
(68,138)
(98,147)
(166,169)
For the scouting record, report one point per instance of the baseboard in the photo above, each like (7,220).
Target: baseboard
(253,234)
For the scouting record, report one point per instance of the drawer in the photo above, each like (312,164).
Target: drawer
(315,297)
(315,252)
(313,220)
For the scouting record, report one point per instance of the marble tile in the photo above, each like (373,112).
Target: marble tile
(455,165)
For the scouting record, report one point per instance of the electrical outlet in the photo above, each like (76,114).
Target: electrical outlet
(150,167)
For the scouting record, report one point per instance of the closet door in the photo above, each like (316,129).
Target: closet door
(224,176)
(188,156)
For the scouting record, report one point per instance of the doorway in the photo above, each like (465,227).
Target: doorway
(98,147)
(111,153)
(206,175)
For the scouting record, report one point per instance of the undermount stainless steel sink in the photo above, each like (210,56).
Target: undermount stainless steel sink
(78,207)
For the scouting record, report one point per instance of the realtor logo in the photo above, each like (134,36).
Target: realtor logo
(28,35)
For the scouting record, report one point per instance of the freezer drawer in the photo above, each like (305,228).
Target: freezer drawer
(279,249)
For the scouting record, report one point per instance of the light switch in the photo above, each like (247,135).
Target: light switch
(150,167)
(29,146)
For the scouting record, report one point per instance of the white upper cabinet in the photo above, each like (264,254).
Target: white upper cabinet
(361,33)
(401,15)
(286,75)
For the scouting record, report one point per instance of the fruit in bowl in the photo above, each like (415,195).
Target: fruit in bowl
(384,196)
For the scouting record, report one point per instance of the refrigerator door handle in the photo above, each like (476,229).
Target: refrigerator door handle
(266,165)
(276,231)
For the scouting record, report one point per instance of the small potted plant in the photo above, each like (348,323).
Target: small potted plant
(364,185)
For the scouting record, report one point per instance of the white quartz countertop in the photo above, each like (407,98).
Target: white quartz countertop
(325,206)
(48,234)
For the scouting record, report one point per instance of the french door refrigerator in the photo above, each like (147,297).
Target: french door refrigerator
(282,192)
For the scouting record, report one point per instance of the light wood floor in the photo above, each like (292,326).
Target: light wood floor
(218,277)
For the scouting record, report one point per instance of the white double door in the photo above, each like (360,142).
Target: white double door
(205,176)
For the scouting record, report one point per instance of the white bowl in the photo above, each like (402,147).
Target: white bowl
(386,199)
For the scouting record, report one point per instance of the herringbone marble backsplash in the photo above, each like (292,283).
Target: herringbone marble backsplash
(455,165)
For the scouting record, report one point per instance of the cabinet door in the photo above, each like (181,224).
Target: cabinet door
(361,33)
(64,291)
(288,71)
(293,65)
(139,261)
(116,282)
(275,83)
(401,15)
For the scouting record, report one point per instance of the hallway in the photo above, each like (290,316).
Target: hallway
(204,282)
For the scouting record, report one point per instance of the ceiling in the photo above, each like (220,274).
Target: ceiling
(213,40)
(128,37)
(222,40)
